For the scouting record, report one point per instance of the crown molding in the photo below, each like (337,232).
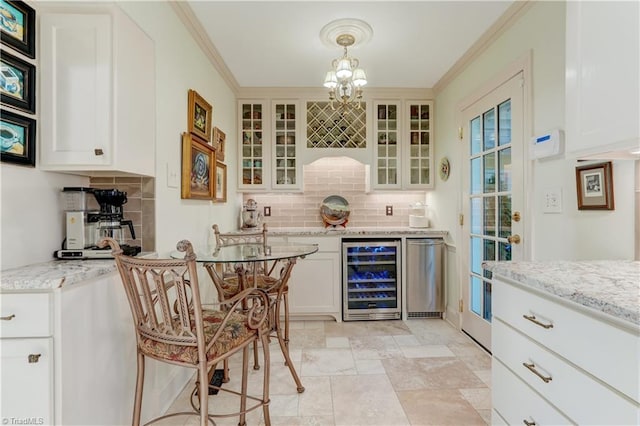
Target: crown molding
(197,31)
(508,18)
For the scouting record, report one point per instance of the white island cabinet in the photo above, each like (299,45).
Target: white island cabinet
(566,343)
(97,71)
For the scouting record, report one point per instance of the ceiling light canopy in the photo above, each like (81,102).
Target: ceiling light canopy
(346,79)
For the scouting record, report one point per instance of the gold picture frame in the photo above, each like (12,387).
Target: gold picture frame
(594,183)
(200,116)
(219,143)
(198,169)
(220,195)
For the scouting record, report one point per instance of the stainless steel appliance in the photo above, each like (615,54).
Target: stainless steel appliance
(86,226)
(425,283)
(371,279)
(250,216)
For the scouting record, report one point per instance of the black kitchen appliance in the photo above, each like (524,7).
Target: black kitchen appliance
(371,279)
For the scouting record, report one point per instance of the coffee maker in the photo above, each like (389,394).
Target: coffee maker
(250,216)
(86,226)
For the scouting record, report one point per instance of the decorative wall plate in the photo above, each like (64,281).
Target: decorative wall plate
(444,168)
(334,211)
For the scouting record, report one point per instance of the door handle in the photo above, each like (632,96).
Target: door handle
(514,239)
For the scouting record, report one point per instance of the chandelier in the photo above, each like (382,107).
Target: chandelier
(346,79)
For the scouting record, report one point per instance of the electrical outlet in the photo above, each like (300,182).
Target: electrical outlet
(267,211)
(389,210)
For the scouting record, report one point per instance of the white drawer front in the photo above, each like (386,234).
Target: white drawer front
(25,315)
(27,380)
(578,396)
(586,341)
(517,402)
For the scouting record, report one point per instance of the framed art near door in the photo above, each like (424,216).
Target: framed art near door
(18,26)
(198,169)
(17,139)
(594,184)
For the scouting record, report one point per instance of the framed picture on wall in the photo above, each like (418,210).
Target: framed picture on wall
(17,139)
(200,116)
(18,26)
(198,169)
(17,83)
(595,186)
(221,183)
(219,142)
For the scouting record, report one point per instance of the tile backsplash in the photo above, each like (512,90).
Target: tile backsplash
(140,206)
(336,176)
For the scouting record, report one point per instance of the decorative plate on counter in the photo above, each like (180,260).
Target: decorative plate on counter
(334,211)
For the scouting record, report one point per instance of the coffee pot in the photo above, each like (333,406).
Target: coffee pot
(250,216)
(110,219)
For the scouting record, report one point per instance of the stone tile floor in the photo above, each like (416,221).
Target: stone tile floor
(415,372)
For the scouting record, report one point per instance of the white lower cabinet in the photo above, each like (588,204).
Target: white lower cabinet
(556,363)
(314,285)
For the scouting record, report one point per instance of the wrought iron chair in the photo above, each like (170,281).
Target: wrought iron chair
(172,326)
(266,278)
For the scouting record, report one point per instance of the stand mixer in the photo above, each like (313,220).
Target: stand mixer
(250,216)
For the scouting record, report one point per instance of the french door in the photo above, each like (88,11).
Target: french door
(493,197)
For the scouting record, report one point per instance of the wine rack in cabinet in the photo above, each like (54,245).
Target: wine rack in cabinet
(329,128)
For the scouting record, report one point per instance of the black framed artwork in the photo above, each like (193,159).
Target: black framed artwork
(17,83)
(18,26)
(17,139)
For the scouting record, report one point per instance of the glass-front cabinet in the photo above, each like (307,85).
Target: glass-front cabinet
(252,154)
(285,156)
(387,151)
(419,147)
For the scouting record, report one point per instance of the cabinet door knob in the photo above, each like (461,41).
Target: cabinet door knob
(98,151)
(528,423)
(33,358)
(8,317)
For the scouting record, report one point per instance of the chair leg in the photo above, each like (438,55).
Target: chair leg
(256,362)
(264,337)
(286,318)
(243,390)
(137,404)
(203,394)
(225,367)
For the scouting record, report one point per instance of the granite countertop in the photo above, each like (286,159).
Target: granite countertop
(355,231)
(57,273)
(609,286)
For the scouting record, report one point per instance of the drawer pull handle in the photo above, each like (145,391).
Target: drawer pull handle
(8,317)
(531,367)
(534,320)
(33,358)
(528,423)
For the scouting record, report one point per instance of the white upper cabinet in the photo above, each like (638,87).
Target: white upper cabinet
(97,93)
(602,77)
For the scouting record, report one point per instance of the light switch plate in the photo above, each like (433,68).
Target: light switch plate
(173,176)
(552,200)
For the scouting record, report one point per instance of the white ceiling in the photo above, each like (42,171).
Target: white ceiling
(277,43)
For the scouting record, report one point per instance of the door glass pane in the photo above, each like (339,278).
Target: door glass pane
(476,176)
(489,124)
(504,252)
(489,172)
(476,215)
(474,136)
(476,295)
(486,298)
(504,215)
(476,255)
(504,169)
(504,123)
(489,216)
(489,254)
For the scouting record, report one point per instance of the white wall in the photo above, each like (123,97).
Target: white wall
(571,234)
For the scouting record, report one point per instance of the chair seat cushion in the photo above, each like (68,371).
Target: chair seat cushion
(235,333)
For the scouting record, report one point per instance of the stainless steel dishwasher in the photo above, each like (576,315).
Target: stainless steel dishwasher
(425,277)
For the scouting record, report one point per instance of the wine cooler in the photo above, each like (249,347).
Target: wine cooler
(371,279)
